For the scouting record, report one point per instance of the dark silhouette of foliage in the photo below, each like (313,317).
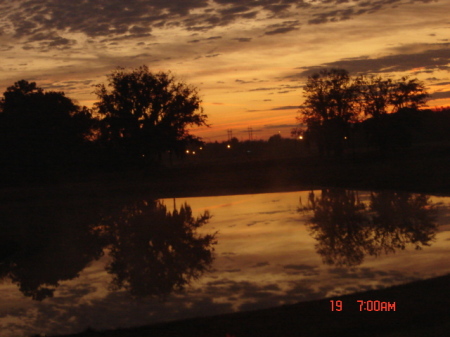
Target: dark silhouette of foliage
(334,102)
(40,130)
(154,251)
(43,244)
(330,105)
(341,227)
(401,218)
(347,229)
(146,114)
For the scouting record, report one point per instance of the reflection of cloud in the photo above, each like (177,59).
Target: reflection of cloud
(301,269)
(385,277)
(272,212)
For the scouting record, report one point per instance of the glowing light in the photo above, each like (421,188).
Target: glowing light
(187,151)
(300,137)
(229,146)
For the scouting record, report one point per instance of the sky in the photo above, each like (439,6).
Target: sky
(249,58)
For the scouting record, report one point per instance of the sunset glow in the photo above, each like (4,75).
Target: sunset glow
(249,59)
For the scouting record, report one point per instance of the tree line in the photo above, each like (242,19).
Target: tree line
(139,116)
(336,104)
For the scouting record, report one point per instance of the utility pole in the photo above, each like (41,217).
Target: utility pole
(230,134)
(250,133)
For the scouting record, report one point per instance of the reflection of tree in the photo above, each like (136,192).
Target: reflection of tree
(402,218)
(43,245)
(155,251)
(340,226)
(347,230)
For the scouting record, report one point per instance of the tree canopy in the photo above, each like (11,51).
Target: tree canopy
(146,114)
(334,101)
(40,128)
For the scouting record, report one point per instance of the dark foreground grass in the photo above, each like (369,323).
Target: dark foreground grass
(422,308)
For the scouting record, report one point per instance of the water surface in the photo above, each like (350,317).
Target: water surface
(73,264)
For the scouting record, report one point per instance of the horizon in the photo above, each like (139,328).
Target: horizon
(249,59)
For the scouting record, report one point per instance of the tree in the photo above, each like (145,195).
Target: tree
(334,102)
(382,96)
(375,95)
(330,105)
(391,106)
(408,93)
(146,114)
(40,129)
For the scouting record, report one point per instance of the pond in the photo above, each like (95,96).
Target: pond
(67,265)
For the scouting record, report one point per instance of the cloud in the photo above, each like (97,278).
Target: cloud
(440,95)
(423,58)
(281,28)
(243,39)
(287,107)
(279,126)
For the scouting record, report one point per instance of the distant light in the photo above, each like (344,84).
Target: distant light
(187,151)
(345,137)
(193,152)
(300,137)
(229,146)
(201,148)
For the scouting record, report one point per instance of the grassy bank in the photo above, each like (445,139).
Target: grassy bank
(423,169)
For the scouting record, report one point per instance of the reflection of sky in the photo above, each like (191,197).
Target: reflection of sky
(264,257)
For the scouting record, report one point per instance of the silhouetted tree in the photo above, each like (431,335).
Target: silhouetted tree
(390,106)
(146,114)
(334,101)
(330,105)
(40,129)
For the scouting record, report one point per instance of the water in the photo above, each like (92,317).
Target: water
(67,265)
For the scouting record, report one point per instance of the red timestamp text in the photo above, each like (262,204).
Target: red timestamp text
(337,305)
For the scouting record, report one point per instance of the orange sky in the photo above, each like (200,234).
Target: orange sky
(249,58)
